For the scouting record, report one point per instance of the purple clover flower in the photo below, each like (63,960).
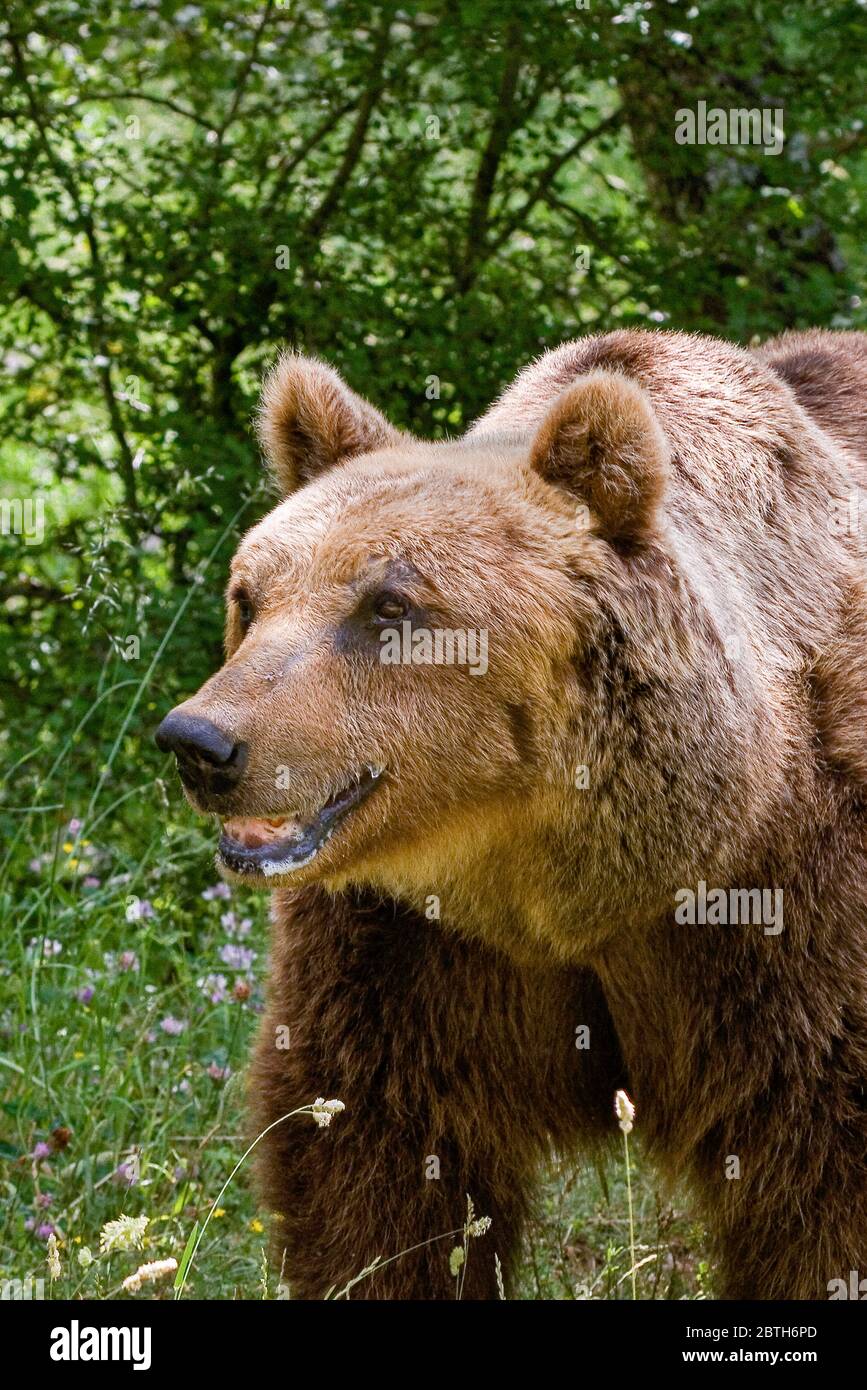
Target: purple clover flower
(237,957)
(217,890)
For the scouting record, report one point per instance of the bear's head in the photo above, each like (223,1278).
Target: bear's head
(451,659)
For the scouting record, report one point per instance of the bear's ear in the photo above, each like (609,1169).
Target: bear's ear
(309,419)
(602,442)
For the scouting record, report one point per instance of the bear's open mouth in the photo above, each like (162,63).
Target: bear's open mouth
(249,845)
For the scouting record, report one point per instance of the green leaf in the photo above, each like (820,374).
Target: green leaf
(186,1257)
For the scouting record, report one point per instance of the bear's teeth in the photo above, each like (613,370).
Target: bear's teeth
(376,769)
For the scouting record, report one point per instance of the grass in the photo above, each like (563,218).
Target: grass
(127,1011)
(129,994)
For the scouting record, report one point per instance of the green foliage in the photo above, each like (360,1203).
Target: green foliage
(427,196)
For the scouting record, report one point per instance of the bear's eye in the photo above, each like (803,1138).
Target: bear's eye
(389,608)
(245,609)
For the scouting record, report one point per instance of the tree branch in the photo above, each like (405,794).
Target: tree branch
(355,145)
(290,162)
(549,173)
(244,74)
(128,95)
(489,163)
(97,332)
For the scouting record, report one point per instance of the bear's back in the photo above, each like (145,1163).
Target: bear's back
(828,373)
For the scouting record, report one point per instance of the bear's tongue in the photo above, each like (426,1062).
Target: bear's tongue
(253,833)
(268,846)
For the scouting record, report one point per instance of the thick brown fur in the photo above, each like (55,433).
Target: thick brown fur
(421,1035)
(646,525)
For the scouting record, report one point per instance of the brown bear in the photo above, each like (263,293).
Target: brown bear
(555,734)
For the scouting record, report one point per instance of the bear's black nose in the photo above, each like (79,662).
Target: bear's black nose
(209,761)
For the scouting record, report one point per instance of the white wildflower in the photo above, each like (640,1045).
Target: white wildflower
(126,1233)
(149,1274)
(324,1111)
(478,1227)
(53,1257)
(624,1110)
